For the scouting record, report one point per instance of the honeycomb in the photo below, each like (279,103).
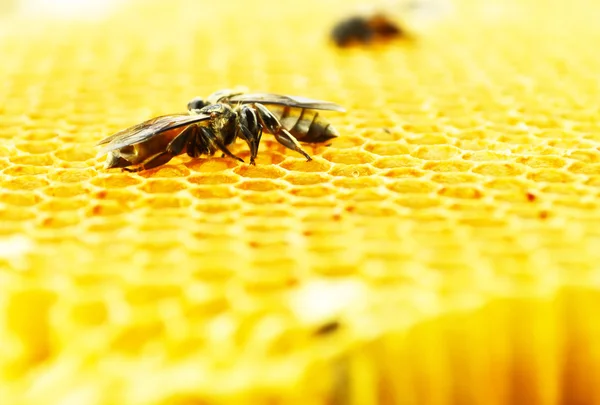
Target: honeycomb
(444,249)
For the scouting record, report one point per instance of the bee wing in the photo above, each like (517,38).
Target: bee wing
(147,129)
(290,101)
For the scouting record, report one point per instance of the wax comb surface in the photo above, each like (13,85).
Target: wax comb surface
(448,232)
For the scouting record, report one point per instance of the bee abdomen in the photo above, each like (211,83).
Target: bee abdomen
(307,125)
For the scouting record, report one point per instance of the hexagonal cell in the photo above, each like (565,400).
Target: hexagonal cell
(397,161)
(302,179)
(418,201)
(214,192)
(116,180)
(499,169)
(585,168)
(357,183)
(543,161)
(349,156)
(76,153)
(23,199)
(157,186)
(24,183)
(32,160)
(261,172)
(301,165)
(413,186)
(315,191)
(71,175)
(63,204)
(448,166)
(436,152)
(551,175)
(215,178)
(455,178)
(37,148)
(18,170)
(262,185)
(386,148)
(352,170)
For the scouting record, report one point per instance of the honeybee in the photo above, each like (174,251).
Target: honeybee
(215,123)
(365,29)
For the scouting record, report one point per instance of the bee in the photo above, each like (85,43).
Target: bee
(365,29)
(214,123)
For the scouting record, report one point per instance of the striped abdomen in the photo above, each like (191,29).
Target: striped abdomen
(306,125)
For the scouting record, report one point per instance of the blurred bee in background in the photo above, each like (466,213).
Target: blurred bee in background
(397,19)
(215,124)
(365,29)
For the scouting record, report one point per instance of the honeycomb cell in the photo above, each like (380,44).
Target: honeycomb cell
(349,156)
(25,170)
(449,166)
(158,186)
(499,169)
(386,148)
(583,168)
(71,175)
(107,208)
(418,201)
(32,160)
(467,192)
(436,152)
(551,175)
(412,186)
(454,178)
(37,148)
(588,156)
(58,220)
(265,197)
(211,165)
(303,179)
(356,183)
(428,139)
(218,178)
(352,170)
(261,185)
(115,181)
(543,161)
(397,161)
(168,171)
(404,172)
(261,172)
(299,165)
(314,191)
(213,192)
(24,183)
(74,154)
(17,198)
(70,190)
(165,201)
(62,204)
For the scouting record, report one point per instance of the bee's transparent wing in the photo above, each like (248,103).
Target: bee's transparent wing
(290,101)
(147,129)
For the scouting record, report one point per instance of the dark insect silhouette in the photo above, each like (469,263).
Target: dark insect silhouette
(365,30)
(215,123)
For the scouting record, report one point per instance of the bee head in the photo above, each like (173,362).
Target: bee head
(196,104)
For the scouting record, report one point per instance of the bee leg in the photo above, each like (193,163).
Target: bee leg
(253,140)
(176,146)
(279,132)
(250,129)
(209,134)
